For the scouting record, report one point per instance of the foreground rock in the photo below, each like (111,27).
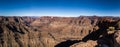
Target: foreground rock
(85,44)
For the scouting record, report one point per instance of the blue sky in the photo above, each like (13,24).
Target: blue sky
(59,7)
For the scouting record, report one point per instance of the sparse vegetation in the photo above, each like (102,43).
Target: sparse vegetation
(118,25)
(111,28)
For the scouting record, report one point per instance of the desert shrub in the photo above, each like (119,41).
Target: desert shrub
(111,28)
(118,25)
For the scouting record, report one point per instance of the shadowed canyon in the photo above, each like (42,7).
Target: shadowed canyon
(48,31)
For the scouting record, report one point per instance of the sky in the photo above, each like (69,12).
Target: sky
(67,8)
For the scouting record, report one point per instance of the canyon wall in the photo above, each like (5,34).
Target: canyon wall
(46,31)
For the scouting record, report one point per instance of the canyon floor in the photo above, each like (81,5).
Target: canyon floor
(48,31)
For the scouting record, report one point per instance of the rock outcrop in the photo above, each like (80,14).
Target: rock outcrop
(85,44)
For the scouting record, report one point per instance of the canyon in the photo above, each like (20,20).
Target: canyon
(50,31)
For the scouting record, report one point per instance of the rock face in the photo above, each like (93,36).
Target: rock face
(48,31)
(117,39)
(85,44)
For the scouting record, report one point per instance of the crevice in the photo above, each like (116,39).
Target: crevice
(1,30)
(14,29)
(17,39)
